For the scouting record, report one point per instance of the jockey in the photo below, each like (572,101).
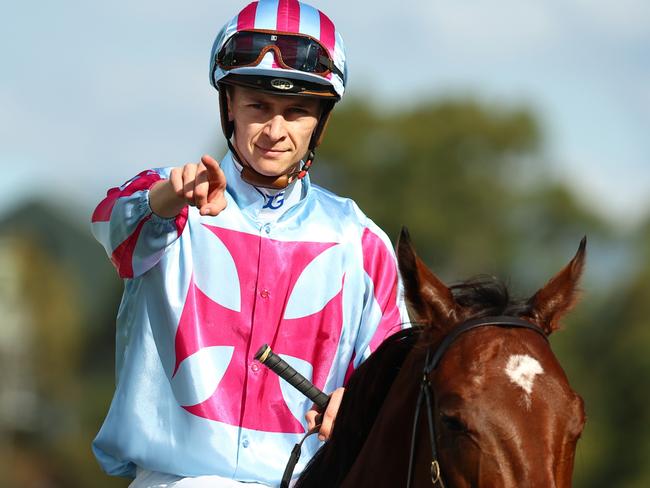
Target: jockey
(219,258)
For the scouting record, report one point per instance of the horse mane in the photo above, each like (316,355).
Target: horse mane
(369,384)
(485,295)
(363,398)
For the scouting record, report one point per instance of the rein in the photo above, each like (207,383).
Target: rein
(280,367)
(295,457)
(425,395)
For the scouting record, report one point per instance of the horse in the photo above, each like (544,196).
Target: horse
(470,396)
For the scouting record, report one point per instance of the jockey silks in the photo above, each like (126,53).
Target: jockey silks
(302,270)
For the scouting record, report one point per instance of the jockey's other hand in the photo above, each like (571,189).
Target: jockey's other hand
(200,185)
(328,417)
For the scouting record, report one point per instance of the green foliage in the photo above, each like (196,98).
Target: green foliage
(615,336)
(456,174)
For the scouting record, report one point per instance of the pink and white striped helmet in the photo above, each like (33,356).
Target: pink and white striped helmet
(286,17)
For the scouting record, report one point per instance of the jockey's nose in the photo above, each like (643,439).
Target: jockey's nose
(275,128)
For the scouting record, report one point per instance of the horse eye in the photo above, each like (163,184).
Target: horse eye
(453,423)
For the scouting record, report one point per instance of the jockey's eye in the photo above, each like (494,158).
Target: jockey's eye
(453,423)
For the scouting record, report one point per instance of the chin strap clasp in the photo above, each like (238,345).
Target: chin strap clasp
(305,167)
(249,175)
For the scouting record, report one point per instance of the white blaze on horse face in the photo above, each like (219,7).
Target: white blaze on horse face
(521,370)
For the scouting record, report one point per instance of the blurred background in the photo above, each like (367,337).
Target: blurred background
(500,133)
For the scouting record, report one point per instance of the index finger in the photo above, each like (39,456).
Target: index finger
(213,167)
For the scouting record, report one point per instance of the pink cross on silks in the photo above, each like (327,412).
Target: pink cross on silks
(268,271)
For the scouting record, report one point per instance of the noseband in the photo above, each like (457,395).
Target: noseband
(426,394)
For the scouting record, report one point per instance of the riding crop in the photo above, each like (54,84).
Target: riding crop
(280,367)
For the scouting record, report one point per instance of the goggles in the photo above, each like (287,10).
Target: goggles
(292,51)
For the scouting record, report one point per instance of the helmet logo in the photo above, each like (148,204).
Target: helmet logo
(281,84)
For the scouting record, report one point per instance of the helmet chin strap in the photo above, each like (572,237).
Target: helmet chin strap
(252,177)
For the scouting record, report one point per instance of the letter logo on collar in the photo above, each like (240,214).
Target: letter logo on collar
(278,199)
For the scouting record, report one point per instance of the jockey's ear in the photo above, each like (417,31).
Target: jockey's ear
(230,95)
(560,294)
(428,299)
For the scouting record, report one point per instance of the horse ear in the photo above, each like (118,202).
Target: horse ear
(427,298)
(560,294)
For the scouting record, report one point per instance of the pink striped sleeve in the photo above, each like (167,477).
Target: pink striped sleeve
(379,263)
(122,257)
(181,220)
(128,230)
(143,181)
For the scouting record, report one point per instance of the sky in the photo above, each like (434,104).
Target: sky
(91,93)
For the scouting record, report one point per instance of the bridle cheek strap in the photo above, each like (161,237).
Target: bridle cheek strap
(426,392)
(425,396)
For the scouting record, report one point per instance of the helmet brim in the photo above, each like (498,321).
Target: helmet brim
(275,84)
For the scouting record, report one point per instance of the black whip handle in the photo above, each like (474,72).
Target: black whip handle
(280,367)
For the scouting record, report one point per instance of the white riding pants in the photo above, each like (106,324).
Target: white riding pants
(152,479)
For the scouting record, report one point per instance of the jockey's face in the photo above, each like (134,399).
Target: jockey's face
(272,132)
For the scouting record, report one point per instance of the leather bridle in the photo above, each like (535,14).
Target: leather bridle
(425,395)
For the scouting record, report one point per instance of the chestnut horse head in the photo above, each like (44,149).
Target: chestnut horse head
(501,411)
(505,413)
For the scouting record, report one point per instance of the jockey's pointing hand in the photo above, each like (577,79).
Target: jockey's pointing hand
(210,187)
(200,185)
(328,417)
